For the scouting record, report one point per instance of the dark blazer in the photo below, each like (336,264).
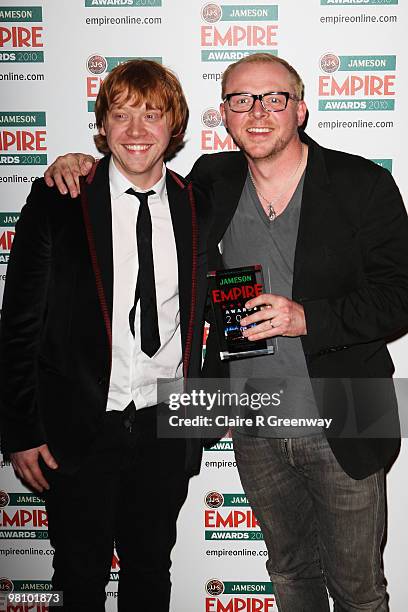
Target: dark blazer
(55,340)
(351,276)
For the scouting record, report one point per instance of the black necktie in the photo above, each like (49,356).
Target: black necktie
(145,286)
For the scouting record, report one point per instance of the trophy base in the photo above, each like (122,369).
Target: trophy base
(227,355)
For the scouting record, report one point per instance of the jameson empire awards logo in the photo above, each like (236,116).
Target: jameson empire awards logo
(98,65)
(233,31)
(357,2)
(20,40)
(213,135)
(231,596)
(7,585)
(22,517)
(222,520)
(122,3)
(23,138)
(357,82)
(8,221)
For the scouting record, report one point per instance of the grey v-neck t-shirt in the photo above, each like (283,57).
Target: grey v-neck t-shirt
(252,238)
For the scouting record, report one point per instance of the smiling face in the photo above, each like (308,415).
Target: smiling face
(138,137)
(258,133)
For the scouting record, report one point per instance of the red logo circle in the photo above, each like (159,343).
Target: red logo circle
(211,118)
(6,585)
(329,62)
(211,13)
(214,587)
(96,64)
(213,499)
(4,499)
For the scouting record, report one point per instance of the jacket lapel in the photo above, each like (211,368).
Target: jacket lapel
(96,203)
(184,227)
(227,190)
(315,207)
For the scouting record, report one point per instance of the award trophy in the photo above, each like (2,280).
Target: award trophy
(229,291)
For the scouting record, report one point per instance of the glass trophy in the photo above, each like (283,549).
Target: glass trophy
(230,289)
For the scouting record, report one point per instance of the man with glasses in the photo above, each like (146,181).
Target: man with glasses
(331,233)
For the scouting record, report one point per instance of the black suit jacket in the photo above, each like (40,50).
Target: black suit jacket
(351,276)
(55,340)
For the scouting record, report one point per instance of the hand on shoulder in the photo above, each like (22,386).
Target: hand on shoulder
(66,171)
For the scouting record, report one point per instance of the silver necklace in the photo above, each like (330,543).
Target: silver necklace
(272,214)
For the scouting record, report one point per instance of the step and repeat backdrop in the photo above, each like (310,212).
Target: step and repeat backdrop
(53,56)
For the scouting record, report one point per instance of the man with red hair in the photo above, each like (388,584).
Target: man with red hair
(101,299)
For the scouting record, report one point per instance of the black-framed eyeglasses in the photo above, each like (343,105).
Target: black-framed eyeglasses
(273,101)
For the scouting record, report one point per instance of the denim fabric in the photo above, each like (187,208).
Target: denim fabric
(321,527)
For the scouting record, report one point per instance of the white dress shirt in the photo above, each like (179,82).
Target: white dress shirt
(134,375)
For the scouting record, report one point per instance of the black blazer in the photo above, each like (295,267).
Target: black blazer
(351,276)
(55,340)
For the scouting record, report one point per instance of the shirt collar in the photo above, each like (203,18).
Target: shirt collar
(119,184)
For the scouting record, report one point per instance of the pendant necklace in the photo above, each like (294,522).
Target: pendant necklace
(272,214)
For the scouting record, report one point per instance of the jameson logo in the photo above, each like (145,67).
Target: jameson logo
(21,43)
(211,118)
(231,32)
(357,82)
(219,587)
(20,499)
(122,3)
(229,596)
(356,2)
(384,163)
(330,62)
(7,585)
(22,141)
(22,119)
(7,232)
(211,13)
(236,279)
(20,13)
(98,64)
(4,499)
(214,499)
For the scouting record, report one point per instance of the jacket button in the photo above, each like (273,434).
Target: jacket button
(101,380)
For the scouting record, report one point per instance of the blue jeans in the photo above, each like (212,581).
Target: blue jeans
(323,529)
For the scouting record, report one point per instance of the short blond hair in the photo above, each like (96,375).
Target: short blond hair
(265,58)
(140,81)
